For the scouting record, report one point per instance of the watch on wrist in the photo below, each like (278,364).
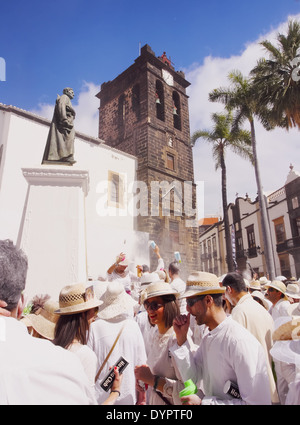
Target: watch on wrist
(156,378)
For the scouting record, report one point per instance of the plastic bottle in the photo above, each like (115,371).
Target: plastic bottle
(177,256)
(189,388)
(152,244)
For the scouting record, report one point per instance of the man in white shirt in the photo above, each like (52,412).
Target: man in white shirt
(228,352)
(178,284)
(276,293)
(253,317)
(32,371)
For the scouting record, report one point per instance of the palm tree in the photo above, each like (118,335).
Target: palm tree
(222,137)
(276,79)
(241,97)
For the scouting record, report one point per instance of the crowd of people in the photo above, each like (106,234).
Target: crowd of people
(138,338)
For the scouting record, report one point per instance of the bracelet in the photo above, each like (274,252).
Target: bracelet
(156,378)
(116,264)
(116,391)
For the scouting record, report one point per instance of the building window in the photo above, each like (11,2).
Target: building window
(251,241)
(279,230)
(115,190)
(159,101)
(295,202)
(298,226)
(170,161)
(176,111)
(284,265)
(174,231)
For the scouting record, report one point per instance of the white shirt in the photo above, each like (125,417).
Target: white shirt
(102,335)
(34,371)
(254,317)
(228,352)
(280,309)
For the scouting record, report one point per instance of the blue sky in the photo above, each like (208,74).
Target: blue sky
(48,45)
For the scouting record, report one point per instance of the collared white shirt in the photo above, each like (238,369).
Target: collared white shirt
(228,352)
(34,371)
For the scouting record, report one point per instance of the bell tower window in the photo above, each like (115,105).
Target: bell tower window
(159,101)
(176,111)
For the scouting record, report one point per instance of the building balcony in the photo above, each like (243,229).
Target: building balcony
(289,245)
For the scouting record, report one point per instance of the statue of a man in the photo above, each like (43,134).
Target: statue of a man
(60,143)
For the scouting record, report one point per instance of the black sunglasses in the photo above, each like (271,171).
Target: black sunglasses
(153,305)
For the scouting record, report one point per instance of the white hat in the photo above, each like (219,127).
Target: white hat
(263,280)
(294,309)
(115,301)
(278,285)
(158,289)
(282,278)
(202,283)
(259,295)
(149,278)
(293,290)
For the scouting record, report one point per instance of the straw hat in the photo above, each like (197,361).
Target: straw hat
(77,298)
(288,331)
(202,283)
(278,285)
(259,295)
(43,320)
(293,290)
(115,301)
(255,284)
(158,289)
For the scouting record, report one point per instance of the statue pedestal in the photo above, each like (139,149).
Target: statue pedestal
(52,232)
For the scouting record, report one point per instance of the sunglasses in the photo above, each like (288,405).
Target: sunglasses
(154,306)
(192,300)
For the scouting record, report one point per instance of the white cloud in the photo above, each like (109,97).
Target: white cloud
(276,149)
(86,106)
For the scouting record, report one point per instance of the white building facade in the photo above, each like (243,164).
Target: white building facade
(283,207)
(71,221)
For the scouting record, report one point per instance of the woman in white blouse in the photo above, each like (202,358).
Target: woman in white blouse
(78,308)
(160,374)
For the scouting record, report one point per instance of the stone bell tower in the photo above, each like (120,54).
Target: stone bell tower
(144,112)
